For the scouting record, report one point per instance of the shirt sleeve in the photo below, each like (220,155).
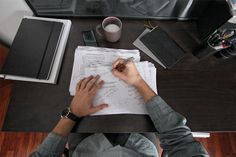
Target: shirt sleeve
(52,146)
(175,137)
(142,145)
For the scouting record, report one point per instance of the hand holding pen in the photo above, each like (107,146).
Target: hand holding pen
(126,70)
(122,64)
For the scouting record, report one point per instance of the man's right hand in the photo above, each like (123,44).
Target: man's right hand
(131,76)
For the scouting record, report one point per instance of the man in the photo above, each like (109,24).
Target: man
(175,137)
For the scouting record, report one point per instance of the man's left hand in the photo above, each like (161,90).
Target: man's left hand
(82,103)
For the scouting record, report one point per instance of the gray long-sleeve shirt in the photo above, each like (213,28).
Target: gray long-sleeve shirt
(175,138)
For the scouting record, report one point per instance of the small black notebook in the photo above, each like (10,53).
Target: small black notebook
(33,49)
(163,47)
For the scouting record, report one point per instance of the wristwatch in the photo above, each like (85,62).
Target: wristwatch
(66,113)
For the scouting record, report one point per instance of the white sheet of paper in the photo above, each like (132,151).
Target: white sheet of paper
(121,97)
(94,57)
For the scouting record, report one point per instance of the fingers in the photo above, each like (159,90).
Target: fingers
(98,108)
(92,83)
(118,74)
(79,84)
(98,86)
(131,63)
(85,81)
(118,61)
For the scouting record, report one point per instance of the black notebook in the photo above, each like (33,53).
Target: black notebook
(163,47)
(33,49)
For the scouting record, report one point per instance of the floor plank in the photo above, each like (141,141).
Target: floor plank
(19,144)
(220,144)
(3,54)
(5,95)
(22,144)
(5,87)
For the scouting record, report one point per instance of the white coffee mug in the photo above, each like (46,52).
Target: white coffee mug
(110,29)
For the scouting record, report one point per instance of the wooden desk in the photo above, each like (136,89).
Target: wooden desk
(203,91)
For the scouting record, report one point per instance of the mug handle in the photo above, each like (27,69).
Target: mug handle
(98,30)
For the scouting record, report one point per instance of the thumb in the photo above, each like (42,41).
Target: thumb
(98,108)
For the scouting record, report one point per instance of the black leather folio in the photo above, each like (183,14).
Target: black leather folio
(163,47)
(33,49)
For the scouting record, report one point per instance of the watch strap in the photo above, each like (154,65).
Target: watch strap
(66,113)
(73,117)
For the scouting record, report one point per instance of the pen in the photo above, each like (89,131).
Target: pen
(121,66)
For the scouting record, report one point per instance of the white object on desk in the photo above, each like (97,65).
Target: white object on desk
(122,98)
(232,20)
(201,134)
(112,28)
(93,57)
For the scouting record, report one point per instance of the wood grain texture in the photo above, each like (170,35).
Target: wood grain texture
(3,54)
(220,144)
(22,144)
(5,87)
(14,144)
(204,91)
(19,144)
(5,94)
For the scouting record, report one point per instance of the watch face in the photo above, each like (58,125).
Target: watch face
(65,112)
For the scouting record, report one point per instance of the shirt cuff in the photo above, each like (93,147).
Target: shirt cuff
(53,145)
(158,107)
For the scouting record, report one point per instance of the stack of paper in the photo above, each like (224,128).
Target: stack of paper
(121,97)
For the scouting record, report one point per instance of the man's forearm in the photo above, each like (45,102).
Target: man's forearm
(175,137)
(144,89)
(64,127)
(54,144)
(81,106)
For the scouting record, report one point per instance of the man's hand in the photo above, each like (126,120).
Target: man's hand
(130,74)
(82,103)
